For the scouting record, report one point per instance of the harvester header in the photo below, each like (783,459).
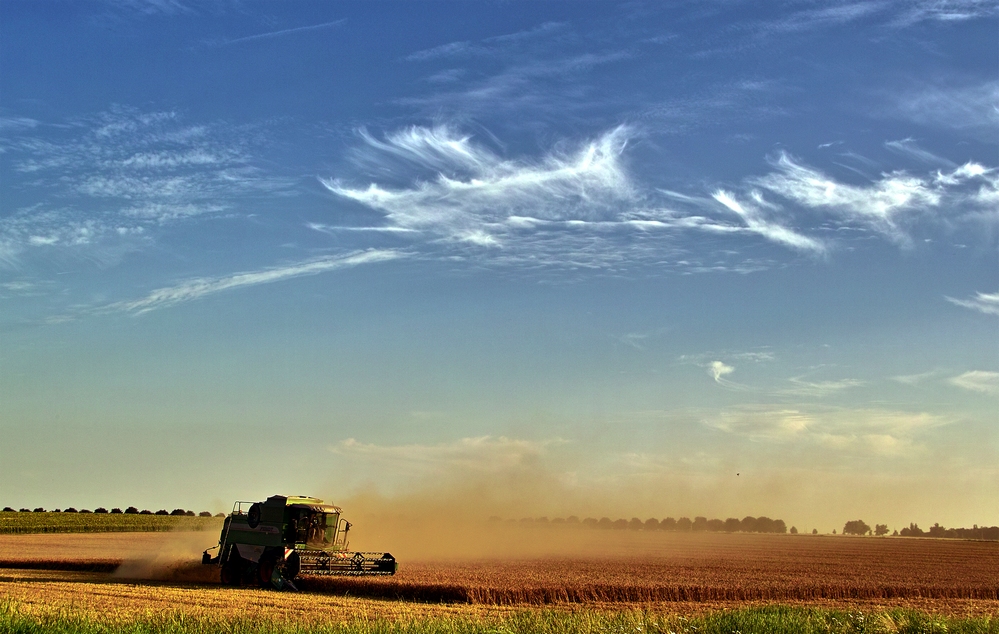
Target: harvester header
(272,542)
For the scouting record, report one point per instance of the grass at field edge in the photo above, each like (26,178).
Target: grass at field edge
(771,619)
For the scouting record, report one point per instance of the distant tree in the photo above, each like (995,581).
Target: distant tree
(220,515)
(937,530)
(621,524)
(39,510)
(834,531)
(70,510)
(856,527)
(780,527)
(57,511)
(541,520)
(684,524)
(912,530)
(668,524)
(732,525)
(8,509)
(651,524)
(794,531)
(635,524)
(178,512)
(716,526)
(84,511)
(559,520)
(815,531)
(700,524)
(591,522)
(766,525)
(100,509)
(880,529)
(23,510)
(162,512)
(894,533)
(572,519)
(132,510)
(605,522)
(145,512)
(205,514)
(116,511)
(748,525)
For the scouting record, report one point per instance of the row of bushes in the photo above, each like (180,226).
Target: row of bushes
(130,511)
(684,524)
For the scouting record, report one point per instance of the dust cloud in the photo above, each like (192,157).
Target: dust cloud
(171,556)
(444,511)
(465,514)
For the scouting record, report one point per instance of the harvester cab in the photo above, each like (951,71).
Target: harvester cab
(270,543)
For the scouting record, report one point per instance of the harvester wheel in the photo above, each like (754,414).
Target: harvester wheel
(232,570)
(265,568)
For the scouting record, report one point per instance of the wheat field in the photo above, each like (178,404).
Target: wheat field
(680,574)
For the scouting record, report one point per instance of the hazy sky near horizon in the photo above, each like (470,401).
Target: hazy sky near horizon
(668,258)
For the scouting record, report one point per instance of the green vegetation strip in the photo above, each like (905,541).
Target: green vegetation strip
(774,619)
(17,523)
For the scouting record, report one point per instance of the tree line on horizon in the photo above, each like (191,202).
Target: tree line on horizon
(129,511)
(684,524)
(859,527)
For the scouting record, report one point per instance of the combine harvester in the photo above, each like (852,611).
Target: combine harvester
(271,542)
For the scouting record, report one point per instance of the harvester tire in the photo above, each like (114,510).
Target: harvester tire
(232,571)
(265,570)
(265,567)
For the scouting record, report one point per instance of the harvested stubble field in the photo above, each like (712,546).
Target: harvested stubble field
(705,567)
(691,573)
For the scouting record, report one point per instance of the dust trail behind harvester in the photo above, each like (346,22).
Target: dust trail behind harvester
(176,556)
(449,518)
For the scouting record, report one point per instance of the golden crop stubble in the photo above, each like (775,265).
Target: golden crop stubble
(706,568)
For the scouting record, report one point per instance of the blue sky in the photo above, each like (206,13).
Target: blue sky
(608,254)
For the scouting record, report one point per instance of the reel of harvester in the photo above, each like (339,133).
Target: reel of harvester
(321,562)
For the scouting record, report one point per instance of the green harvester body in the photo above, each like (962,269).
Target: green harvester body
(270,543)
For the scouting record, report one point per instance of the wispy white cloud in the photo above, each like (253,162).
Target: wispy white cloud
(945,11)
(488,46)
(479,454)
(123,173)
(915,379)
(883,204)
(827,16)
(582,207)
(476,191)
(282,32)
(821,388)
(971,108)
(977,381)
(909,147)
(197,288)
(756,221)
(861,430)
(8,124)
(987,303)
(717,370)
